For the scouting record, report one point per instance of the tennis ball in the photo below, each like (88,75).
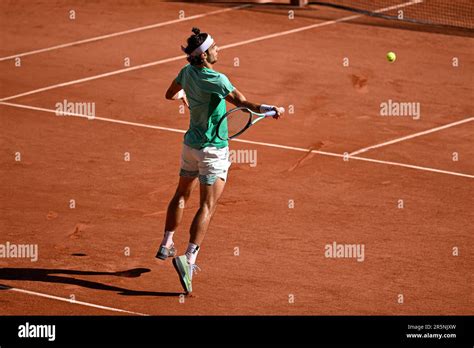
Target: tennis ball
(391,56)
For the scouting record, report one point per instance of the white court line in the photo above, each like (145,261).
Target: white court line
(39,294)
(125,32)
(240,43)
(300,149)
(175,130)
(411,136)
(397,164)
(317,25)
(115,72)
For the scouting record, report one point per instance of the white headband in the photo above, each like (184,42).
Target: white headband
(204,46)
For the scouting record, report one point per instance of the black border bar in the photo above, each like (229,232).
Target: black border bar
(224,330)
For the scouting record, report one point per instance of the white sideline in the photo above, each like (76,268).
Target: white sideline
(95,118)
(397,164)
(411,136)
(300,149)
(240,43)
(317,25)
(63,299)
(125,32)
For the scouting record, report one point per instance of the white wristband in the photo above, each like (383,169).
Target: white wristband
(264,108)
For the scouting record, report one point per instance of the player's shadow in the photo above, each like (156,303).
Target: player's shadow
(51,276)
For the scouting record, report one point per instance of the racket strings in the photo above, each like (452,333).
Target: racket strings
(236,122)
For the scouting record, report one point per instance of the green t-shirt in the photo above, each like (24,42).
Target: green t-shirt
(206,90)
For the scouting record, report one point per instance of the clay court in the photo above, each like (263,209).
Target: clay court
(332,170)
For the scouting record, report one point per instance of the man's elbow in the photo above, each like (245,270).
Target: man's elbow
(236,101)
(241,102)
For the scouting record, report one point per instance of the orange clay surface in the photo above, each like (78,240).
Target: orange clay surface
(265,250)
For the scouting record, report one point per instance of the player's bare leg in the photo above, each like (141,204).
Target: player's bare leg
(209,196)
(176,206)
(174,215)
(185,265)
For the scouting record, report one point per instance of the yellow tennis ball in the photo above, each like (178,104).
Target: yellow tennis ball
(391,56)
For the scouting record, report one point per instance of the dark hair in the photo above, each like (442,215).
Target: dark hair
(194,41)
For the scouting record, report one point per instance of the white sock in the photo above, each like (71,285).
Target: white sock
(168,239)
(192,253)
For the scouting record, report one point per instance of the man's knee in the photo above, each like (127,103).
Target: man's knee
(180,199)
(209,207)
(183,195)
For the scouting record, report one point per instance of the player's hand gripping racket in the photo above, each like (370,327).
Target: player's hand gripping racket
(238,120)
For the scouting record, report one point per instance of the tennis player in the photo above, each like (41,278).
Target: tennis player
(204,156)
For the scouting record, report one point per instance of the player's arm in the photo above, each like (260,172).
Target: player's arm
(175,91)
(238,99)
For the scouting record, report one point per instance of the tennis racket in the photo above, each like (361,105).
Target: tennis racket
(237,121)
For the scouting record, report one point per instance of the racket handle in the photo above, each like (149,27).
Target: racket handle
(270,113)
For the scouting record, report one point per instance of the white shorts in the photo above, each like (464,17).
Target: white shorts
(208,163)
